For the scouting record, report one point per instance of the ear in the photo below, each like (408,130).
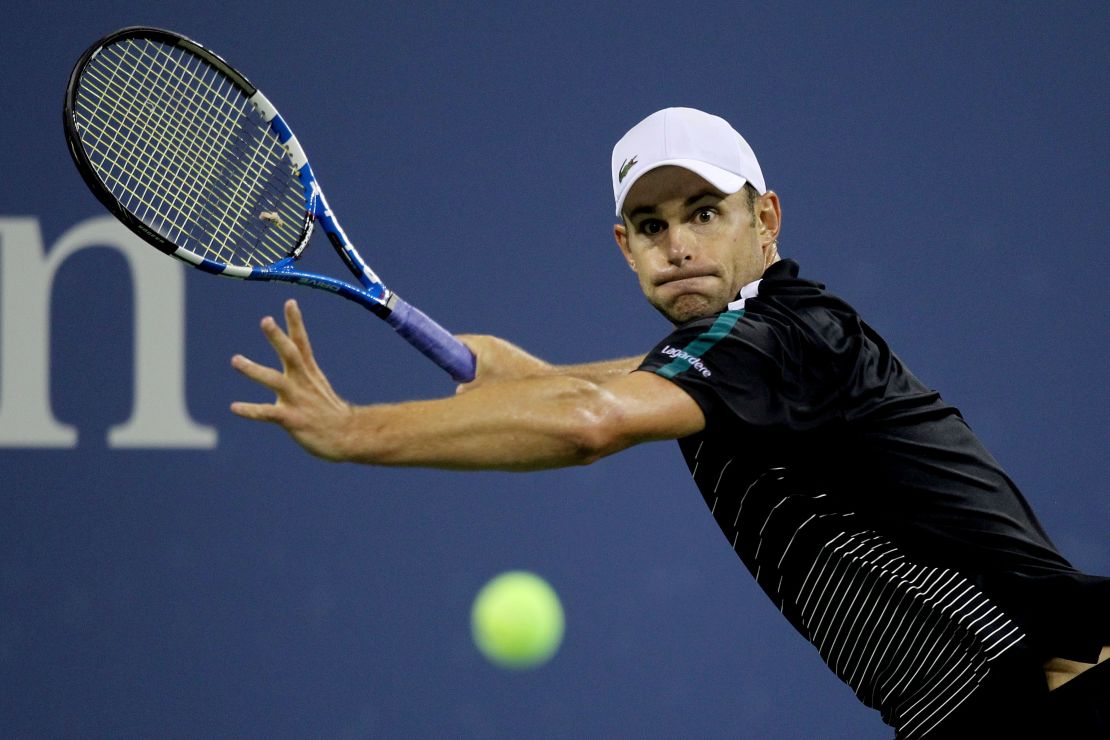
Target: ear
(768,219)
(620,234)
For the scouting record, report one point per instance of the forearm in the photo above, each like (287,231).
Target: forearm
(529,424)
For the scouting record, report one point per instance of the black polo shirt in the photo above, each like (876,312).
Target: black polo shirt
(866,508)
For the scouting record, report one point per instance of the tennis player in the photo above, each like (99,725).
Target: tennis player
(858,499)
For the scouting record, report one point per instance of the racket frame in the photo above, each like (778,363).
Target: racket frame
(373,294)
(424,333)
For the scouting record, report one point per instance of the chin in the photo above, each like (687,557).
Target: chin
(689,307)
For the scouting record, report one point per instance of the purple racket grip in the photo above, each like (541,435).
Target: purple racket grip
(438,344)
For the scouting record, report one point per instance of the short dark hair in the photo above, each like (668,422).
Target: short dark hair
(752,194)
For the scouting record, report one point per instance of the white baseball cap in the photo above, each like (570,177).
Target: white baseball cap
(684,137)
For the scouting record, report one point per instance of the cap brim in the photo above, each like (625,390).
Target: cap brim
(723,180)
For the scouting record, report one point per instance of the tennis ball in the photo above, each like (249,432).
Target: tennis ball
(517,620)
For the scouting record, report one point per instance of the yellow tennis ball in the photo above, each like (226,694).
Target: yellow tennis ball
(517,620)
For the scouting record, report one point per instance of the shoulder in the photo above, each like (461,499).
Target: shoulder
(779,354)
(689,345)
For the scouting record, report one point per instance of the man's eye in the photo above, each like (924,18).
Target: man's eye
(704,215)
(651,227)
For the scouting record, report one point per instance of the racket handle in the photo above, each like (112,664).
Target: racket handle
(438,344)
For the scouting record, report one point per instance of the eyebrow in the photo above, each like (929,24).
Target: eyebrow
(648,210)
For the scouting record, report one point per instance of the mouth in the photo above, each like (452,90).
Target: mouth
(680,277)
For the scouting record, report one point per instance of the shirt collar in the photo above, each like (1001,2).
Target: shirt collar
(777,271)
(751,290)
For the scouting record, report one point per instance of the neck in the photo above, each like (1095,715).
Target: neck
(771,255)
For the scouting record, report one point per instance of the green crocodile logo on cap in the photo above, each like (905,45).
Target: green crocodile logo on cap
(625,167)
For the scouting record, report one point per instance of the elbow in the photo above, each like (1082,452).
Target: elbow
(598,430)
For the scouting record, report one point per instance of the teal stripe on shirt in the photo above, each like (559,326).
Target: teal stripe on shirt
(718,331)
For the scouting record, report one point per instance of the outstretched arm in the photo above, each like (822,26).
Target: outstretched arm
(545,421)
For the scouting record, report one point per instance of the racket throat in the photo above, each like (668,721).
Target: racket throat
(388,304)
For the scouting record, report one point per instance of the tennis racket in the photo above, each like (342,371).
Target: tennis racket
(193,158)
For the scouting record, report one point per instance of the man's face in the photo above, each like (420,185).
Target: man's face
(692,246)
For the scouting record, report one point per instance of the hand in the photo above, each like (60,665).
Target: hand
(500,360)
(306,405)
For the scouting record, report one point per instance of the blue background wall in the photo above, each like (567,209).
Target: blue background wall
(943,166)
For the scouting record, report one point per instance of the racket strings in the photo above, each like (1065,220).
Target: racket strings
(181,148)
(218,223)
(146,129)
(172,118)
(169,129)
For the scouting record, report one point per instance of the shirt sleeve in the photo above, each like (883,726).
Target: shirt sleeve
(743,372)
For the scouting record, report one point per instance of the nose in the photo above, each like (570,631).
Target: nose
(679,247)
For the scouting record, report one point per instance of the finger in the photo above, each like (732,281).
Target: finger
(257,411)
(298,332)
(286,350)
(267,376)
